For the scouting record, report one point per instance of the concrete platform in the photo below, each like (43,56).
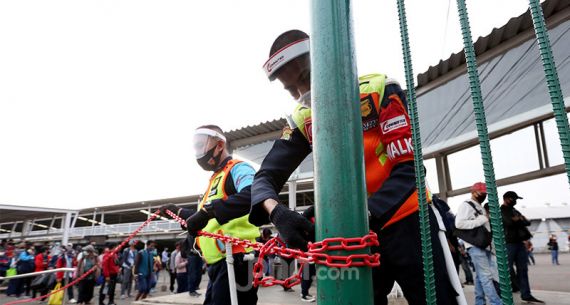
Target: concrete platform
(276,296)
(549,283)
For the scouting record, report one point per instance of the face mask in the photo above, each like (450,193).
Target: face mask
(481,198)
(203,162)
(154,252)
(305,99)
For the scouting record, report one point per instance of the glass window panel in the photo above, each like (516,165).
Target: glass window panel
(431,175)
(553,148)
(465,167)
(515,153)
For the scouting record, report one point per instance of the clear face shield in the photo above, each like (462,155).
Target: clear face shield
(204,140)
(202,144)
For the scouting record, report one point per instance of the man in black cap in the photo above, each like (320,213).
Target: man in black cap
(516,233)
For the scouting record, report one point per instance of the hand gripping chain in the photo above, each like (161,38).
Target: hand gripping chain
(316,253)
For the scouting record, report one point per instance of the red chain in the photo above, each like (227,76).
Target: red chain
(273,246)
(316,253)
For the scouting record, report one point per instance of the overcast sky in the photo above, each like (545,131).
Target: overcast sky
(98,99)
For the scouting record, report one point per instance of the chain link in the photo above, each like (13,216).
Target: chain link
(276,246)
(315,254)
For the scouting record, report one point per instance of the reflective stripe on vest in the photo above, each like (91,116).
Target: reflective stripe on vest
(377,164)
(214,250)
(301,119)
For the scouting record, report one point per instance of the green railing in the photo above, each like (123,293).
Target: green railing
(334,83)
(429,281)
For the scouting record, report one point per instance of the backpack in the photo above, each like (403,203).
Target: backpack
(478,236)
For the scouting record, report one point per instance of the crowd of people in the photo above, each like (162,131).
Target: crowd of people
(136,269)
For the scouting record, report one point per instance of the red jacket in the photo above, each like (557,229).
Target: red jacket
(41,262)
(109,264)
(62,263)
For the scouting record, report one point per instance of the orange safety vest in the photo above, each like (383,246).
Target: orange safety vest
(377,164)
(214,250)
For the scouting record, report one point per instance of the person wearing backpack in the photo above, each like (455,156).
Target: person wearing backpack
(472,226)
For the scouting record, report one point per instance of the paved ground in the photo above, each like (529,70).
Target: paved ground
(548,282)
(545,276)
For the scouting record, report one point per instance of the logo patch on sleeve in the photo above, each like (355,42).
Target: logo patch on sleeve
(286,134)
(370,117)
(394,123)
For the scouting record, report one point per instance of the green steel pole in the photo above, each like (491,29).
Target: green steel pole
(340,190)
(556,96)
(429,280)
(484,144)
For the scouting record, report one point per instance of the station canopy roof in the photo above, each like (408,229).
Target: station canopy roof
(15,213)
(513,85)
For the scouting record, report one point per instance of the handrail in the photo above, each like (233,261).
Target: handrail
(36,273)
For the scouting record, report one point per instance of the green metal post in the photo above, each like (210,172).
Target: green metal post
(556,96)
(484,143)
(340,190)
(429,281)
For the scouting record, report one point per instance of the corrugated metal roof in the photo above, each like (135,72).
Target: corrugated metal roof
(259,129)
(514,27)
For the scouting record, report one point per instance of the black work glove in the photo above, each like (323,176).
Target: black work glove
(295,229)
(198,221)
(170,207)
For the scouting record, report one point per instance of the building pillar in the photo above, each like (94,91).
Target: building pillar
(292,195)
(66,228)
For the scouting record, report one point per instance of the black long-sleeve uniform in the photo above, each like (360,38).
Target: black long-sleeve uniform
(287,154)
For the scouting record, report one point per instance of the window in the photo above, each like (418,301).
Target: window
(465,167)
(515,153)
(553,148)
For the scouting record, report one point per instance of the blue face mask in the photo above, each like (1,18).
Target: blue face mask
(154,252)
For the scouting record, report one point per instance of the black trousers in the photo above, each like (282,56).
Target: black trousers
(218,292)
(466,269)
(401,262)
(23,286)
(110,290)
(172,280)
(86,290)
(194,269)
(309,272)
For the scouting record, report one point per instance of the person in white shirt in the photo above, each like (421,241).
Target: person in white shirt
(165,258)
(471,216)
